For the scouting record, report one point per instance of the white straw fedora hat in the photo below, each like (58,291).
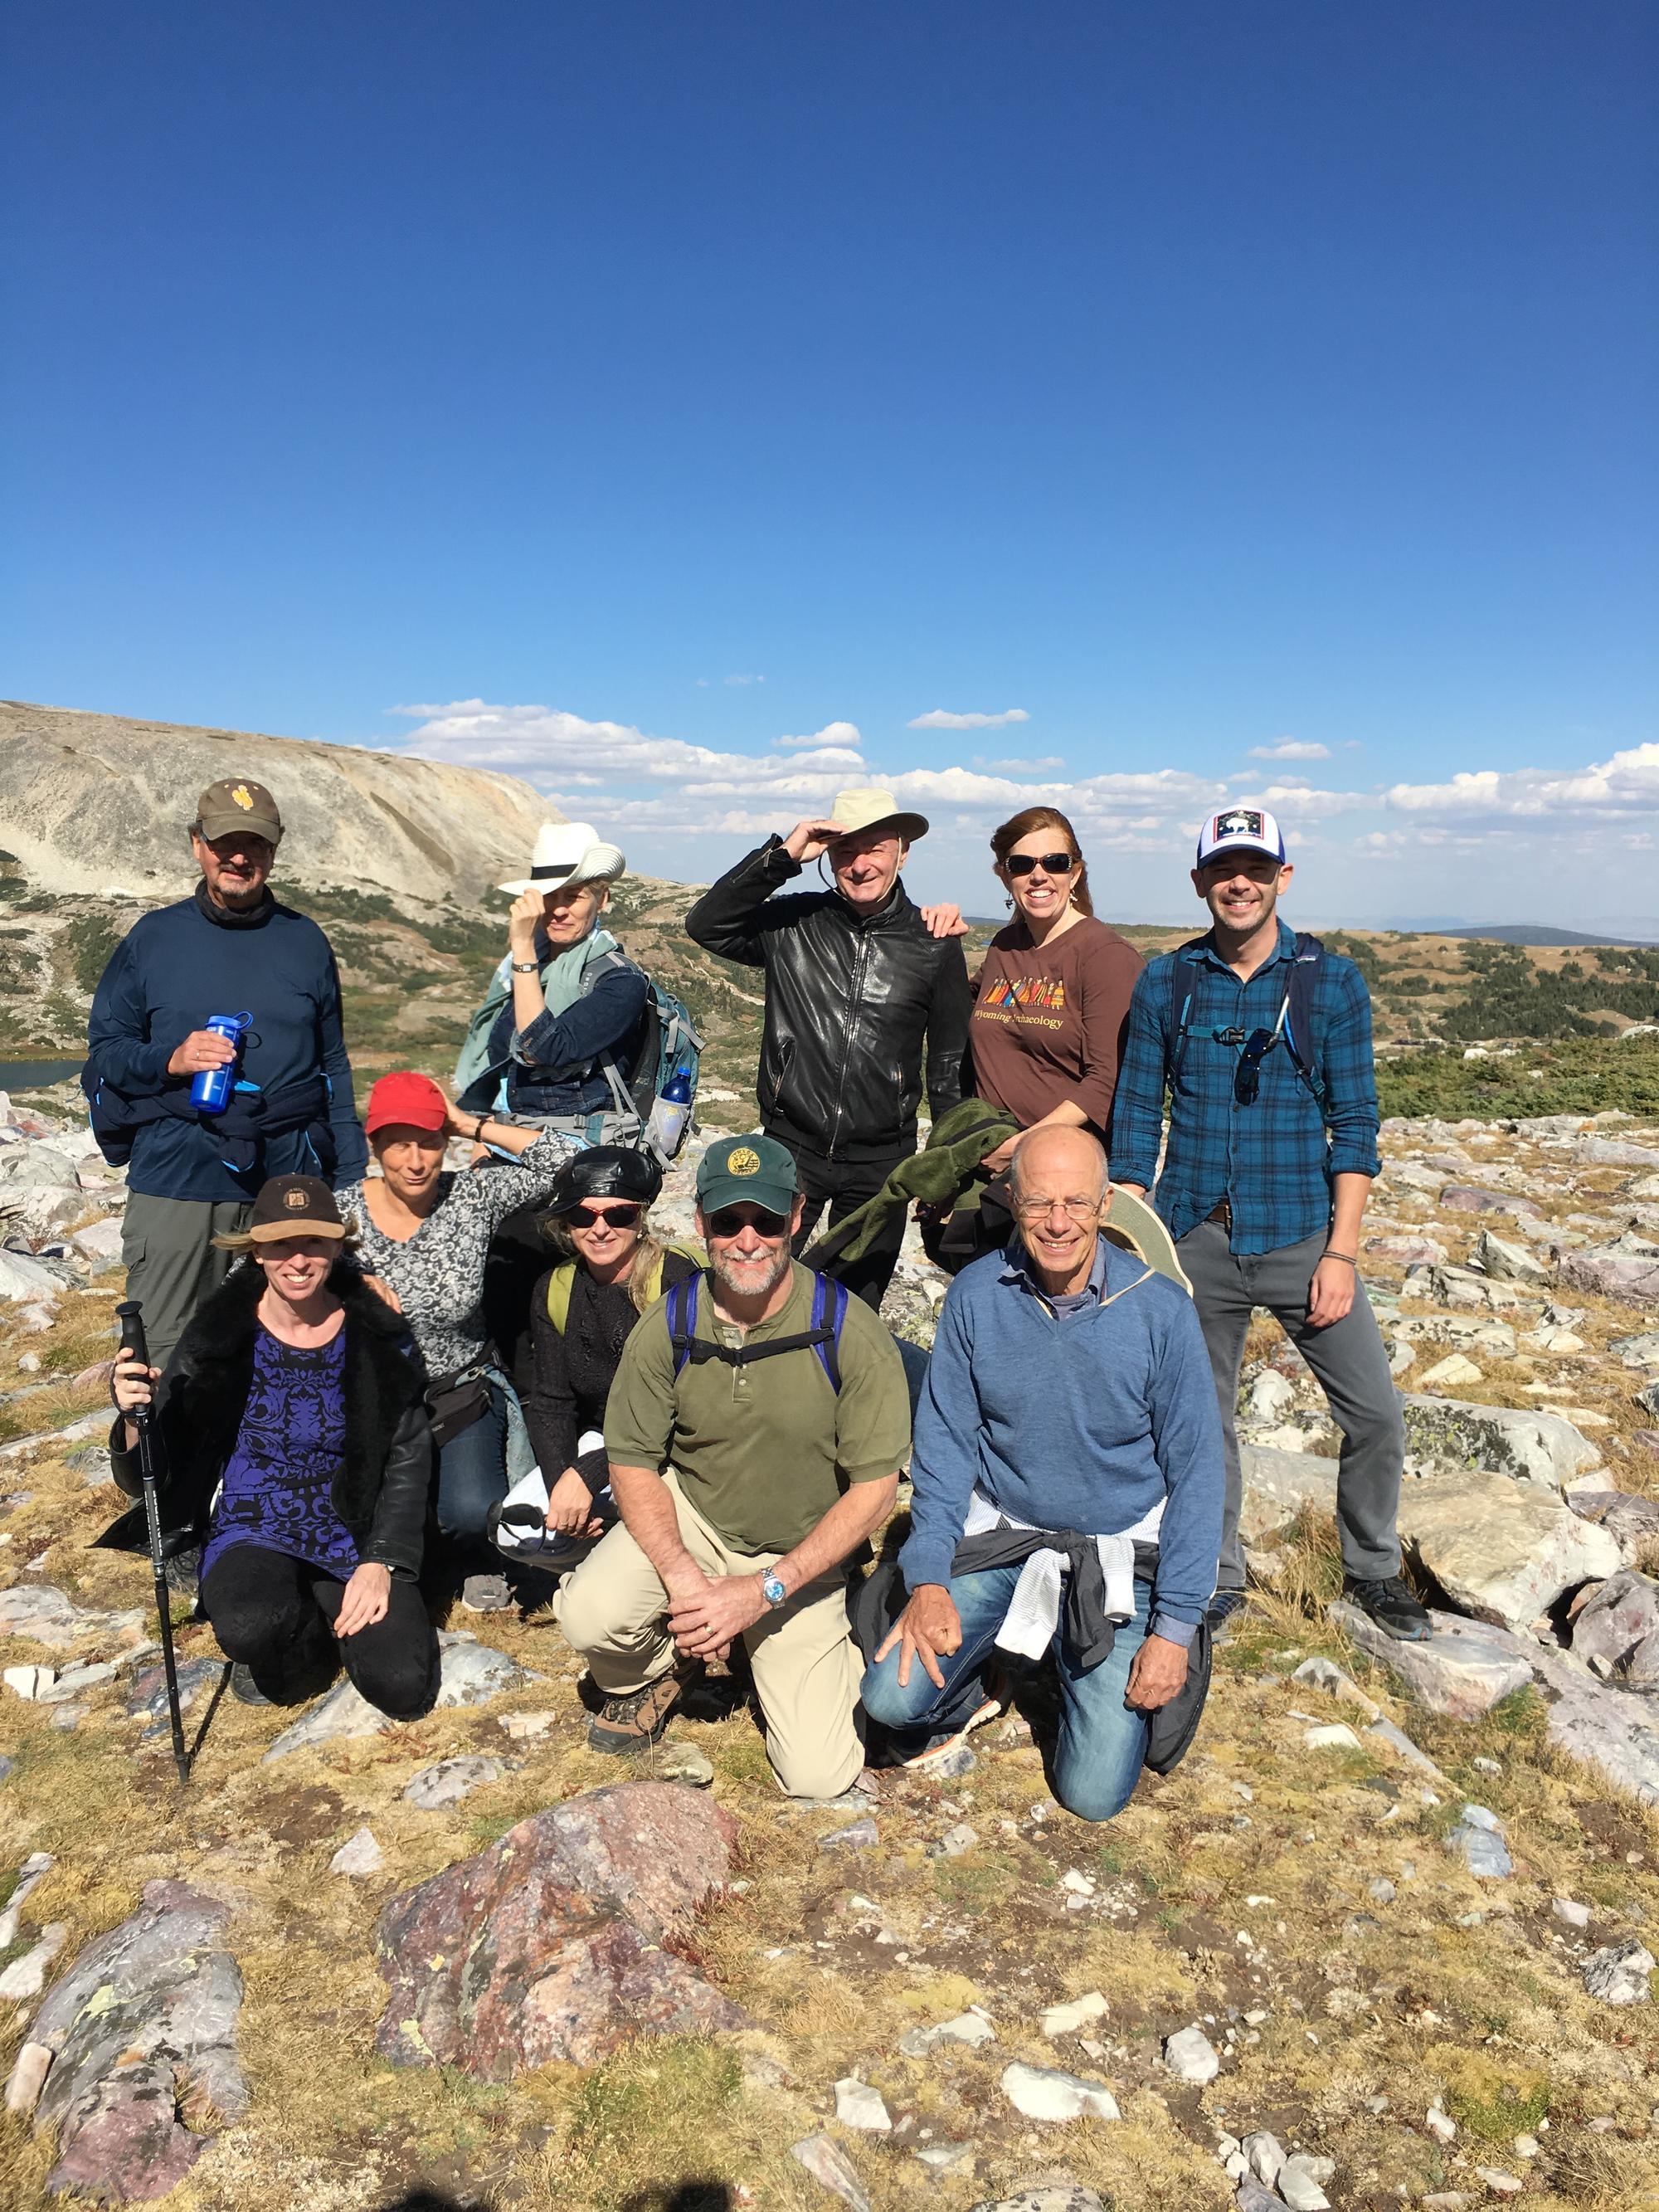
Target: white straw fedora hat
(875,809)
(568,853)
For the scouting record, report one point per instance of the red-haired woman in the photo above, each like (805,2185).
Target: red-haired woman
(1054,993)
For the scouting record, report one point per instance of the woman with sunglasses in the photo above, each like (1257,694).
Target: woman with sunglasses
(1053,995)
(583,1312)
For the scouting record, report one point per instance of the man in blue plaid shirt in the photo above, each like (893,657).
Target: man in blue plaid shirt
(1271,1154)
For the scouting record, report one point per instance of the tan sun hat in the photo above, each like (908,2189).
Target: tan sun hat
(568,853)
(875,809)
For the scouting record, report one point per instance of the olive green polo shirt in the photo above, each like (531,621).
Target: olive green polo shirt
(764,1450)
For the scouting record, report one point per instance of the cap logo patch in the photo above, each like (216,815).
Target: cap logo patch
(1243,822)
(295,1200)
(243,797)
(742,1162)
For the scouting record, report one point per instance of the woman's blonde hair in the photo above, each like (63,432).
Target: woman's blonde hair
(240,1242)
(1032,819)
(649,1256)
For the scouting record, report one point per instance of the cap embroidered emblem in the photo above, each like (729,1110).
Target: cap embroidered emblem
(1243,822)
(295,1200)
(243,797)
(742,1162)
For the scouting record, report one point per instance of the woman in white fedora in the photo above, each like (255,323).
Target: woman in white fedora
(564,1010)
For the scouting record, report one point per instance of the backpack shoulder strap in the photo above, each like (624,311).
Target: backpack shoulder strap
(682,1318)
(1300,1030)
(1177,1006)
(558,1294)
(829,1300)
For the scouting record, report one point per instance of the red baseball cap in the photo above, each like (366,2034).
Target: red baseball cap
(407,1100)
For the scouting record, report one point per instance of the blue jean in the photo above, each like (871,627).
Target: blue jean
(1101,1744)
(472,1477)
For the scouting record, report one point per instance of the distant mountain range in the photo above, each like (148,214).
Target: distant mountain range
(1537,933)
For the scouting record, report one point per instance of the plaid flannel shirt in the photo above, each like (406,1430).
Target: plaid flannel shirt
(1274,1158)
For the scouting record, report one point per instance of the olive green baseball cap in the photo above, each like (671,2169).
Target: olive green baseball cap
(235,803)
(757,1169)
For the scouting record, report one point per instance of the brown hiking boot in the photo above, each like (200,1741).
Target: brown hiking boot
(637,1720)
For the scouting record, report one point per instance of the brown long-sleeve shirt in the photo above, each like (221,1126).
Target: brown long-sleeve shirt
(1048,1020)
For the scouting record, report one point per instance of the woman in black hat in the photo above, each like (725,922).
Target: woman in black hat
(296,1449)
(584,1309)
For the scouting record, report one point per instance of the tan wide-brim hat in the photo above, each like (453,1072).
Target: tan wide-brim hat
(875,809)
(568,853)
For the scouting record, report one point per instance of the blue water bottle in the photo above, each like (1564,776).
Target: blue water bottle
(209,1092)
(671,1115)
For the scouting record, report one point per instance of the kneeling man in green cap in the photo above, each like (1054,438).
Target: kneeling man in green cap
(755,1430)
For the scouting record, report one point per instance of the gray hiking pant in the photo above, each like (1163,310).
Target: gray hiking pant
(166,1248)
(1351,1366)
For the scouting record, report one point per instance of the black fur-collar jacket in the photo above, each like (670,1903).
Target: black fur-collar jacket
(381,1492)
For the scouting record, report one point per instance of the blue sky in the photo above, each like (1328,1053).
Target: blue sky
(638,392)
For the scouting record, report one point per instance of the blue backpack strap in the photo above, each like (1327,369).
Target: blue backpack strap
(1176,1030)
(681,1317)
(830,1304)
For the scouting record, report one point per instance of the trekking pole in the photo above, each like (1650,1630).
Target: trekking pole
(131,1316)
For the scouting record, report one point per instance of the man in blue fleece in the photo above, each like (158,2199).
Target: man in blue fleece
(1069,1392)
(230,949)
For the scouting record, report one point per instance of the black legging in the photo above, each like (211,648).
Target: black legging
(275,1614)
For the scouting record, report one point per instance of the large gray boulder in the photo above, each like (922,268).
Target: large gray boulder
(1501,1550)
(1443,1435)
(143,2022)
(1278,1486)
(1509,1263)
(1619,1628)
(1615,1272)
(1462,1671)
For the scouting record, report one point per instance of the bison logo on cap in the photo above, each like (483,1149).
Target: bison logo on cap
(742,1162)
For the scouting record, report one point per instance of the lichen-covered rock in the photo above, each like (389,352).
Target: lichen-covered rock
(553,1944)
(1443,1435)
(143,2022)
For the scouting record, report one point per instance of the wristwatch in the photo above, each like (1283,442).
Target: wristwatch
(526,967)
(772,1590)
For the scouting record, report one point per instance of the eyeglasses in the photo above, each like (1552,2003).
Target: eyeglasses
(1077,1209)
(732,1221)
(1247,1079)
(1052,864)
(619,1217)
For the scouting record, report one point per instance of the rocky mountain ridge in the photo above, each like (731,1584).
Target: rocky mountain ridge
(97,806)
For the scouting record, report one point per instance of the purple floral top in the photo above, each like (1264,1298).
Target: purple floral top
(277,1487)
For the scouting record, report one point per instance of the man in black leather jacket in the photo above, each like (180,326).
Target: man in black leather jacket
(857,984)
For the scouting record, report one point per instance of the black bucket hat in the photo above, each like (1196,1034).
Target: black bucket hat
(606,1171)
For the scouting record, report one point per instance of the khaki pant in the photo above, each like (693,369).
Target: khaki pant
(171,1262)
(613,1611)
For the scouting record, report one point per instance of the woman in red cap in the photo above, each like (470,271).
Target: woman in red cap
(425,1232)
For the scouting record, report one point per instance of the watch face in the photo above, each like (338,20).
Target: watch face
(772,1590)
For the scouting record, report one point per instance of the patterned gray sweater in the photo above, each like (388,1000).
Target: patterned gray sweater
(439,1273)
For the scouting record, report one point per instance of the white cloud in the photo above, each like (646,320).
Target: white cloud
(1628,783)
(744,679)
(1021,767)
(940,719)
(1290,749)
(843,734)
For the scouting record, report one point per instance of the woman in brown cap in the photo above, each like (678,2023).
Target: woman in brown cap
(293,1446)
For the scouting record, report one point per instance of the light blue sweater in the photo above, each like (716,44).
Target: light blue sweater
(1078,1421)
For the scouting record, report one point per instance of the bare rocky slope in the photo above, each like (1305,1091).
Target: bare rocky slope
(93,804)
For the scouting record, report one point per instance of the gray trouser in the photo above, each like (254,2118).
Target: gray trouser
(166,1247)
(1350,1365)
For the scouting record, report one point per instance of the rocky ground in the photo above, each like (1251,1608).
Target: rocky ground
(1380,1940)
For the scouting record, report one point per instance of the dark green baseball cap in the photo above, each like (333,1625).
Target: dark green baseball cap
(757,1169)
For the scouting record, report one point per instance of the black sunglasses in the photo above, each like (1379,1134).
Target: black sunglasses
(619,1217)
(1052,864)
(1246,1080)
(732,1221)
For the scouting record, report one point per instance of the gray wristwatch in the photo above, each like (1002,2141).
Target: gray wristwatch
(772,1590)
(526,967)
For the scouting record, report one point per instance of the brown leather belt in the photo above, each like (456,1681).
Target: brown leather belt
(1223,1214)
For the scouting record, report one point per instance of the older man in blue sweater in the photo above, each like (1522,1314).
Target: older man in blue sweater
(231,949)
(1069,1392)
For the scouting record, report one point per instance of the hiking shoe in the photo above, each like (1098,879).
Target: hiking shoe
(1224,1608)
(1391,1606)
(243,1688)
(486,1594)
(635,1721)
